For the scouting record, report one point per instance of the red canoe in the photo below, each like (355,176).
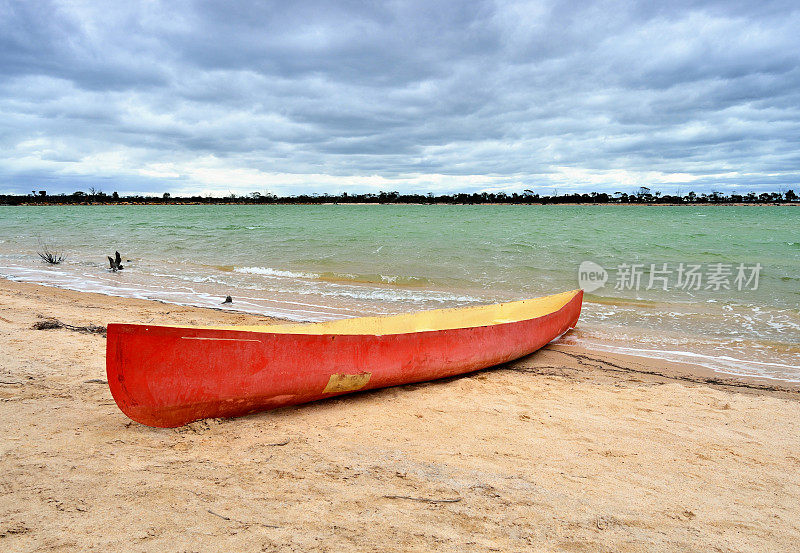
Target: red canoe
(168,376)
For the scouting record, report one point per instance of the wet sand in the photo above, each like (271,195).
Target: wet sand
(567,450)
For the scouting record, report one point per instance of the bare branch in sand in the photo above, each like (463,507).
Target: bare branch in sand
(49,324)
(423,499)
(223,517)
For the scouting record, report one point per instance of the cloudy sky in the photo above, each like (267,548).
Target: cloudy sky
(298,97)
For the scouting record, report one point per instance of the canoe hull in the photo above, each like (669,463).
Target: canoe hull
(169,376)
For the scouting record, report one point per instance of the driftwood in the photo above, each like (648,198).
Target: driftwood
(49,324)
(423,499)
(223,517)
(115,262)
(243,523)
(51,256)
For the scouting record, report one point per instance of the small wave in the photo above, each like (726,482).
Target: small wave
(192,278)
(331,276)
(396,280)
(608,300)
(523,245)
(392,295)
(268,271)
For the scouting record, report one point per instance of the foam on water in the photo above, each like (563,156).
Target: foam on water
(268,271)
(181,295)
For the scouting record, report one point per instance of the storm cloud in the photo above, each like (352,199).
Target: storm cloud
(218,97)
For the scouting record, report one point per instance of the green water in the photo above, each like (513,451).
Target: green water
(321,262)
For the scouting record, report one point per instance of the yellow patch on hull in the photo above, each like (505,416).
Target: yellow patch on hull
(346,382)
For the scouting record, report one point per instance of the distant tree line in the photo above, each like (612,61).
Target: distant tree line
(643,196)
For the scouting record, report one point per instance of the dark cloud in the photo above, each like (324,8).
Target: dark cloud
(330,96)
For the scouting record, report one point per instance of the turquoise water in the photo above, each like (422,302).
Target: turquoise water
(329,261)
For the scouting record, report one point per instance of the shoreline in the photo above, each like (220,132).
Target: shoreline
(687,370)
(566,448)
(614,361)
(672,370)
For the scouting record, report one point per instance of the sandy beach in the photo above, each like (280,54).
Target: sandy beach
(565,450)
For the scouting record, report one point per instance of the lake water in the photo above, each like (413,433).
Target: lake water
(681,281)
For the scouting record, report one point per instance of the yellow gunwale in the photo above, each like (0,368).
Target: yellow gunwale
(422,321)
